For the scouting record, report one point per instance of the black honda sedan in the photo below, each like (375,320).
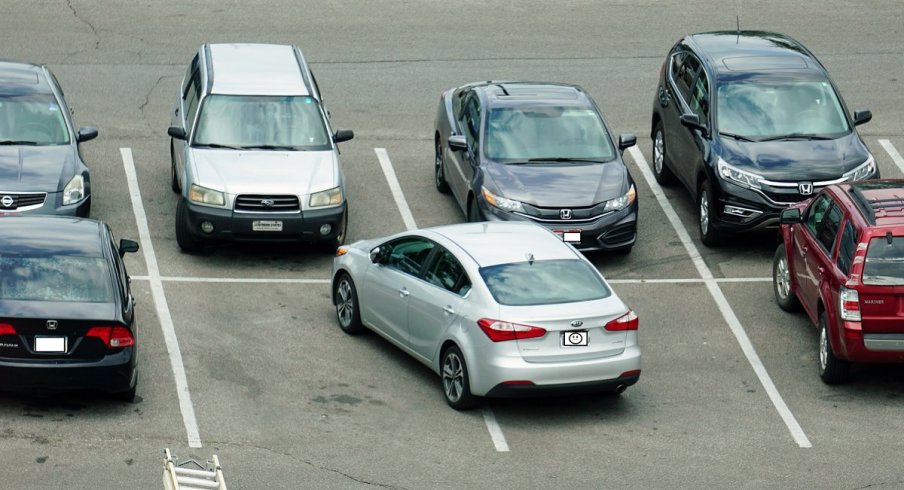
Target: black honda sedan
(750,122)
(538,152)
(67,319)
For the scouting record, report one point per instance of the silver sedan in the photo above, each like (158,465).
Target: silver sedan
(495,308)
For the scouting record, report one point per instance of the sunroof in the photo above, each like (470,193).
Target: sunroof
(746,63)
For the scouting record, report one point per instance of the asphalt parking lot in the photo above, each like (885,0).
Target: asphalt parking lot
(240,353)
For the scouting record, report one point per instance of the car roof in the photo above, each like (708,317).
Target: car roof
(880,202)
(256,69)
(754,51)
(55,235)
(500,94)
(22,77)
(504,242)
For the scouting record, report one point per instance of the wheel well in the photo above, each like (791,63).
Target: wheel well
(336,277)
(442,351)
(436,138)
(820,308)
(701,178)
(653,124)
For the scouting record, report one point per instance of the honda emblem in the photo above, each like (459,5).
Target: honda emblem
(565,213)
(52,324)
(805,188)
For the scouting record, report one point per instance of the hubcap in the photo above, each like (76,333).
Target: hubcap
(782,278)
(345,305)
(453,377)
(823,349)
(658,152)
(704,212)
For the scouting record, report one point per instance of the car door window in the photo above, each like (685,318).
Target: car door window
(408,255)
(828,231)
(470,121)
(816,212)
(447,272)
(120,272)
(193,96)
(686,74)
(846,248)
(700,97)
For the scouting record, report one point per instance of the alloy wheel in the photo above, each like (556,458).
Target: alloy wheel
(783,278)
(823,349)
(345,304)
(658,150)
(453,377)
(704,212)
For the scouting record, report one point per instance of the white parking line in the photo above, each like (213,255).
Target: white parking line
(495,431)
(395,188)
(893,153)
(163,312)
(727,313)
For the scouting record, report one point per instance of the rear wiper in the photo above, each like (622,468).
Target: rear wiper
(797,136)
(271,147)
(563,159)
(216,145)
(736,136)
(19,142)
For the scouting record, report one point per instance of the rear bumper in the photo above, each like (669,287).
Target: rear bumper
(228,225)
(525,391)
(113,373)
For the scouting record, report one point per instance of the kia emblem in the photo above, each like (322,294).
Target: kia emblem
(576,323)
(565,213)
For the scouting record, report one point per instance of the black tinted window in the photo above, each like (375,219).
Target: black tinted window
(544,282)
(685,75)
(816,212)
(829,229)
(847,247)
(408,255)
(446,272)
(884,264)
(55,278)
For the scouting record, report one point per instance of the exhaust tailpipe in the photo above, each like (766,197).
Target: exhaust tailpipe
(620,389)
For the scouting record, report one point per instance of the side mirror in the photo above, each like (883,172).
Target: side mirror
(86,133)
(626,140)
(378,255)
(458,142)
(790,216)
(692,121)
(176,132)
(127,246)
(862,117)
(343,135)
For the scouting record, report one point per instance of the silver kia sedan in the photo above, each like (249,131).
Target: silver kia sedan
(497,309)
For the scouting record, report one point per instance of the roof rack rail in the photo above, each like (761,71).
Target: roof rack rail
(864,204)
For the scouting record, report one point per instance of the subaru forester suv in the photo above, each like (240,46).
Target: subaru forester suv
(842,257)
(253,154)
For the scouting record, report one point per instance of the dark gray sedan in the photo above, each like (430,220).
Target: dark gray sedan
(538,152)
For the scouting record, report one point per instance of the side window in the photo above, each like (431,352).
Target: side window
(677,60)
(447,273)
(458,102)
(847,247)
(687,72)
(828,232)
(119,270)
(700,97)
(192,69)
(816,212)
(470,121)
(191,101)
(409,254)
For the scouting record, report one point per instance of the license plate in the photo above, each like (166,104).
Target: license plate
(266,225)
(50,344)
(571,237)
(574,338)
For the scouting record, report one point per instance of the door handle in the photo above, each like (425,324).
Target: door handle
(448,310)
(403,293)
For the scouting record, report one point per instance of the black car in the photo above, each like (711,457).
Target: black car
(67,319)
(538,152)
(750,122)
(41,168)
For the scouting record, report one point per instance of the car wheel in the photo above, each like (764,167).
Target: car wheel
(456,387)
(781,281)
(474,211)
(346,298)
(439,170)
(663,174)
(832,370)
(330,246)
(175,180)
(188,243)
(705,214)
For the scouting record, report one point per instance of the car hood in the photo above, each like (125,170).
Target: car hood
(266,172)
(796,160)
(30,168)
(560,184)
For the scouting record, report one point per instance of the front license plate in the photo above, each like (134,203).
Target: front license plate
(266,225)
(571,237)
(574,338)
(50,344)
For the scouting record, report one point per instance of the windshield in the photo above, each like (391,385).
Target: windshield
(518,134)
(543,282)
(884,264)
(55,278)
(758,110)
(262,122)
(32,119)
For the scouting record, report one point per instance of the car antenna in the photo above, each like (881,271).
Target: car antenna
(738,23)
(530,258)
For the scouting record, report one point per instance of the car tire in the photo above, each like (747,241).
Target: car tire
(175,180)
(454,373)
(439,171)
(348,313)
(330,246)
(474,211)
(832,370)
(705,212)
(781,281)
(661,171)
(188,243)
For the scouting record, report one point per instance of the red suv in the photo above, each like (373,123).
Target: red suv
(842,257)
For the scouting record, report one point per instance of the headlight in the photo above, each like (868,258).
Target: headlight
(500,202)
(738,176)
(74,190)
(621,202)
(864,171)
(329,197)
(203,195)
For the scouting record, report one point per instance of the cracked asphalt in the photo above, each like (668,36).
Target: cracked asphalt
(288,401)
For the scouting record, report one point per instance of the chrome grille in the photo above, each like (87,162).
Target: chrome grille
(266,204)
(14,202)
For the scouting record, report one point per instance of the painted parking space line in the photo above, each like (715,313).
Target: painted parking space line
(163,312)
(264,280)
(893,153)
(719,297)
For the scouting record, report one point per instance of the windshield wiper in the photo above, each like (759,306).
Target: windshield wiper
(216,145)
(271,147)
(564,159)
(736,136)
(19,142)
(797,136)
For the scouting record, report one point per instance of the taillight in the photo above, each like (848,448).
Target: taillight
(628,321)
(7,329)
(115,337)
(849,301)
(499,331)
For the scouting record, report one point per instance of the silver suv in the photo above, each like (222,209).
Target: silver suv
(253,154)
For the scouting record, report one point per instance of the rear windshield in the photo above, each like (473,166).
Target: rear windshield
(55,278)
(884,264)
(544,282)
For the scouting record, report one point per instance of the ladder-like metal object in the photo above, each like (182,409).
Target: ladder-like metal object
(177,477)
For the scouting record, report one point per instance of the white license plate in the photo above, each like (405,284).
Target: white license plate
(575,338)
(266,225)
(50,344)
(571,237)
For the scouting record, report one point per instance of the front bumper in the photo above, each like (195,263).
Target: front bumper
(302,226)
(113,373)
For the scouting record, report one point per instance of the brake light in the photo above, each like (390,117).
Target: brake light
(7,329)
(628,321)
(499,331)
(114,337)
(849,301)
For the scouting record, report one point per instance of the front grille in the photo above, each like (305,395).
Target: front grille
(554,216)
(12,202)
(266,204)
